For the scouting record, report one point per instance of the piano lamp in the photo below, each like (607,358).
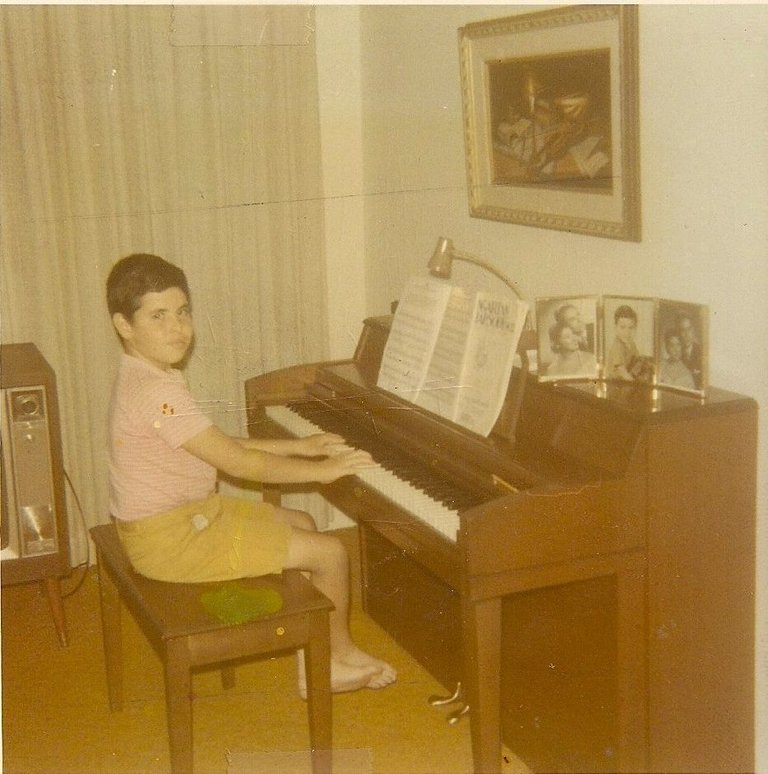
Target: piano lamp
(444,255)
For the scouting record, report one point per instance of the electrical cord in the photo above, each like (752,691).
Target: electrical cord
(86,564)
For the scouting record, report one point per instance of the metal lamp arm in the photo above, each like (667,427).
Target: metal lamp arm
(459,256)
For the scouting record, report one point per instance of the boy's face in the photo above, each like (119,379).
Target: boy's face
(160,331)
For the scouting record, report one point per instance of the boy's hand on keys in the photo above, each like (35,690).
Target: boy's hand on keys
(347,462)
(318,445)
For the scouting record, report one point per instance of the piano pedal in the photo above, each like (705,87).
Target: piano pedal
(440,701)
(456,698)
(456,716)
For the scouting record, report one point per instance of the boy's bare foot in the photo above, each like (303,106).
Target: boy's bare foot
(344,677)
(386,674)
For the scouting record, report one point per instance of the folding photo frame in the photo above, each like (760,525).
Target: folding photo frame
(682,346)
(630,339)
(568,338)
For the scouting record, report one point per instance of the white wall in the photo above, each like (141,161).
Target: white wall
(338,69)
(704,149)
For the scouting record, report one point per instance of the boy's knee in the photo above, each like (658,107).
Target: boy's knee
(305,521)
(297,519)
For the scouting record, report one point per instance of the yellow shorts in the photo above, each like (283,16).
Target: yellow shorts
(216,539)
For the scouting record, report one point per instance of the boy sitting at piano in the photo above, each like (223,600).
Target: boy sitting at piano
(164,454)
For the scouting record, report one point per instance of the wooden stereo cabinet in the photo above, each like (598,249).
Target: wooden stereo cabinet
(35,539)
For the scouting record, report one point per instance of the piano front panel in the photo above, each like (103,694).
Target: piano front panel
(395,581)
(553,524)
(559,675)
(413,537)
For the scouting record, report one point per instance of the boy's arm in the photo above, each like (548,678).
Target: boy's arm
(239,460)
(318,445)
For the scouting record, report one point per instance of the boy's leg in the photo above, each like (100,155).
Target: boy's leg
(294,518)
(325,557)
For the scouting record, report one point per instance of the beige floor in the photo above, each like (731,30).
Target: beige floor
(56,718)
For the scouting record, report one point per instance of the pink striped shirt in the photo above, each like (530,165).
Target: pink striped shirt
(152,413)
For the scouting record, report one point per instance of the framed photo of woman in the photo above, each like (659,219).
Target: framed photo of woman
(567,338)
(682,347)
(629,325)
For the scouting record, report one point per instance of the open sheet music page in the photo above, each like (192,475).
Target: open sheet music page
(494,333)
(440,390)
(412,336)
(451,351)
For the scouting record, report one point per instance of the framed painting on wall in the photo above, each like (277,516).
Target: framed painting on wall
(551,119)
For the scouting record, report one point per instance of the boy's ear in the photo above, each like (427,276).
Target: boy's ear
(122,326)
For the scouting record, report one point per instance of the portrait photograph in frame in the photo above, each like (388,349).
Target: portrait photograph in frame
(629,338)
(567,338)
(551,119)
(682,346)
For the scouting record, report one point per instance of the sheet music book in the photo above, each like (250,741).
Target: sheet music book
(451,351)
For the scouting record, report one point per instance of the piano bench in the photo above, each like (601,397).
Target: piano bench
(173,618)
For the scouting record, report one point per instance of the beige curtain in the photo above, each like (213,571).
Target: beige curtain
(189,132)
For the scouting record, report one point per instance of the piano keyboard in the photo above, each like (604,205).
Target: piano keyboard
(398,489)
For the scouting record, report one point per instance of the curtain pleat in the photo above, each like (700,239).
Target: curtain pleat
(191,133)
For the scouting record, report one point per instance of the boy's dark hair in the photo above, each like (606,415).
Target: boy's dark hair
(136,275)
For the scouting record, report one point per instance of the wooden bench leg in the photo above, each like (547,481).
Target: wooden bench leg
(112,636)
(178,703)
(317,659)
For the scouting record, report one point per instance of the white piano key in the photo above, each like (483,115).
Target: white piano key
(412,499)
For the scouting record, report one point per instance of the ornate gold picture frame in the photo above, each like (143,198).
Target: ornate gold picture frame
(551,119)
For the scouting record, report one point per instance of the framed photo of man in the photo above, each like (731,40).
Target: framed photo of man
(629,338)
(567,338)
(683,346)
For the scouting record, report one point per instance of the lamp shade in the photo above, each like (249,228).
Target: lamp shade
(445,253)
(440,263)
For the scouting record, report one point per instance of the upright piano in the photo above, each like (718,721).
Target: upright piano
(585,573)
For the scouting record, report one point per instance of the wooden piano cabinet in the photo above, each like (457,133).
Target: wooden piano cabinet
(636,652)
(701,571)
(563,703)
(559,668)
(559,642)
(601,617)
